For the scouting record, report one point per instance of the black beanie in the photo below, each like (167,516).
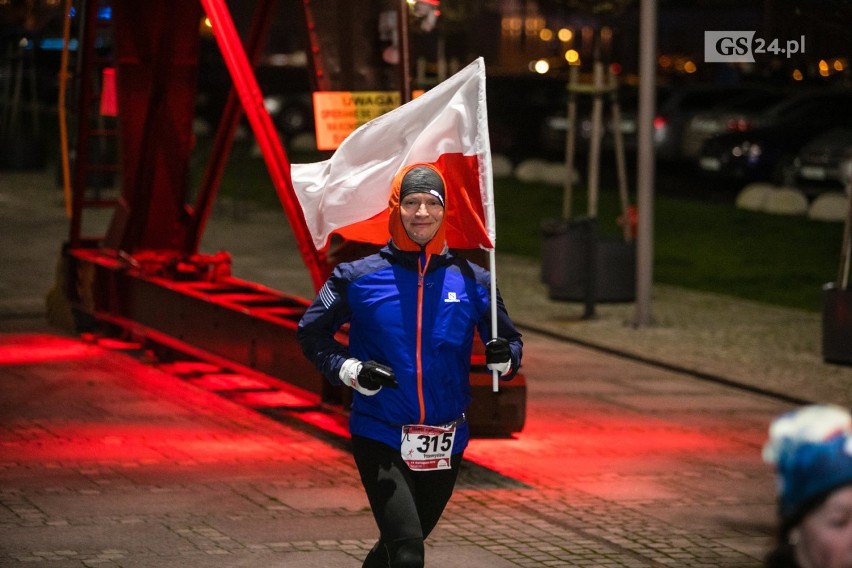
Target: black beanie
(422,179)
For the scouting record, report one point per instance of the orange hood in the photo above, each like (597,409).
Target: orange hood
(397,232)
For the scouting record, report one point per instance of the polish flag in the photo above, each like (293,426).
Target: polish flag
(447,126)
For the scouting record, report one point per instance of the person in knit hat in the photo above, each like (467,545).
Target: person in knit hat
(414,310)
(811,449)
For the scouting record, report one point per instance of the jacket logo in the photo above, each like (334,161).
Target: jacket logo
(451,297)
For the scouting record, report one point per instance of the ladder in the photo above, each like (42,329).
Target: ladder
(91,166)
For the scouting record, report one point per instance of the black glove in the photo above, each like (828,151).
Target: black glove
(498,356)
(497,351)
(373,376)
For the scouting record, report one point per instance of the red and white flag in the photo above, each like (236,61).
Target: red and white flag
(446,126)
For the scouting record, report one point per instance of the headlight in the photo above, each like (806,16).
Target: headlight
(557,123)
(273,105)
(754,151)
(747,149)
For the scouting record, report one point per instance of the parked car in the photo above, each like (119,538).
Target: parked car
(517,107)
(675,106)
(737,115)
(286,89)
(555,125)
(677,109)
(767,151)
(630,115)
(287,97)
(818,166)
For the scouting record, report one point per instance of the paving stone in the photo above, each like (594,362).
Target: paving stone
(110,460)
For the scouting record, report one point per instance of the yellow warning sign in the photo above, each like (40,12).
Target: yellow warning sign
(338,113)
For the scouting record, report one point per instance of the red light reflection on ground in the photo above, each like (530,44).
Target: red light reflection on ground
(189,367)
(590,442)
(75,404)
(112,343)
(329,422)
(273,399)
(139,444)
(30,349)
(227,381)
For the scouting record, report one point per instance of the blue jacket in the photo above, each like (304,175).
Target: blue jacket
(424,333)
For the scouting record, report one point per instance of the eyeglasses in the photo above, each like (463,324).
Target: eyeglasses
(414,204)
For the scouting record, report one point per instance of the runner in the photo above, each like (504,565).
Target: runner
(412,310)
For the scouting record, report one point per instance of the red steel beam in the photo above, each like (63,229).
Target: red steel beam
(156,55)
(203,316)
(265,133)
(225,133)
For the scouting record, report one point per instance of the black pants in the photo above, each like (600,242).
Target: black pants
(406,504)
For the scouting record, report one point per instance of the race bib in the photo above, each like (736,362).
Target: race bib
(427,448)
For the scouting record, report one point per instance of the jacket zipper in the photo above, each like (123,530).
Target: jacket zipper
(420,277)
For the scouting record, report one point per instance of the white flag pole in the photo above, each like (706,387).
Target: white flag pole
(486,180)
(492,258)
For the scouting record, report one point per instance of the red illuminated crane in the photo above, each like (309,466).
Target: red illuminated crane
(146,276)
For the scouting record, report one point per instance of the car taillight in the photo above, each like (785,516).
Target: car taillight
(737,125)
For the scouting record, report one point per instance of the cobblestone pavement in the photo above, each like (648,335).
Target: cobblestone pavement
(111,458)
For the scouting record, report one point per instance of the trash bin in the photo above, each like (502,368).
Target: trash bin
(579,265)
(554,241)
(837,296)
(837,325)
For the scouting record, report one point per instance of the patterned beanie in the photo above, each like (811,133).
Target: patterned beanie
(811,449)
(422,179)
